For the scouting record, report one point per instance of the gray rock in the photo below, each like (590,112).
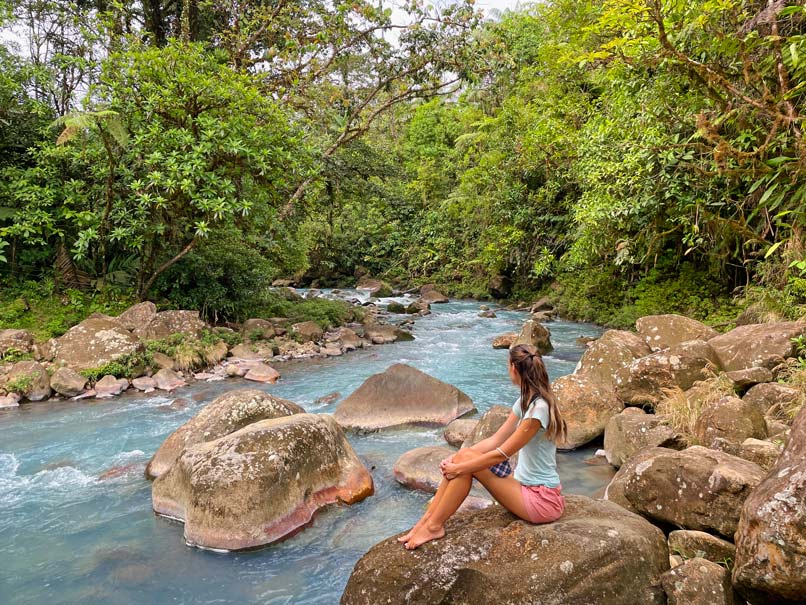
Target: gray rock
(67,382)
(17,340)
(771,395)
(663,331)
(145,384)
(92,344)
(587,407)
(731,419)
(33,379)
(109,386)
(698,582)
(138,315)
(261,372)
(633,430)
(534,333)
(753,345)
(168,380)
(691,544)
(459,431)
(166,323)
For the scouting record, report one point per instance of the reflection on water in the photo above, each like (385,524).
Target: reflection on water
(76,522)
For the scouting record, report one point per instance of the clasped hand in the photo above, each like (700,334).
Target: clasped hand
(448,468)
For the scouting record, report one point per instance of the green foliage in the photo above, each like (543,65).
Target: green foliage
(13,355)
(20,384)
(128,366)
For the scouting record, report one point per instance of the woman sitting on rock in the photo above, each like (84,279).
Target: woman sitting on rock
(534,429)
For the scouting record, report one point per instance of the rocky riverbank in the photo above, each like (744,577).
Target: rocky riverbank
(146,349)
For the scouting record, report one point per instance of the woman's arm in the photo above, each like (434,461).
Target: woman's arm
(520,437)
(503,433)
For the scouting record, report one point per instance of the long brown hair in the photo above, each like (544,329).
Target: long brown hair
(528,363)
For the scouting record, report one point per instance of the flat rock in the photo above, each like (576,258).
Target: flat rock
(744,379)
(698,582)
(770,564)
(261,372)
(224,415)
(663,331)
(587,407)
(402,395)
(261,483)
(419,469)
(12,400)
(67,382)
(595,553)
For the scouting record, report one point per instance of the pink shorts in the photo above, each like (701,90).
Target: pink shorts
(543,504)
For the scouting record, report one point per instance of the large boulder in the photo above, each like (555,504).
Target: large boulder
(586,405)
(307,331)
(168,380)
(633,430)
(534,333)
(650,377)
(257,329)
(607,360)
(375,287)
(595,553)
(433,297)
(663,331)
(224,415)
(770,564)
(261,483)
(67,382)
(771,396)
(29,379)
(698,582)
(458,431)
(696,488)
(757,345)
(94,342)
(691,543)
(138,315)
(165,323)
(731,419)
(402,395)
(15,340)
(504,341)
(488,424)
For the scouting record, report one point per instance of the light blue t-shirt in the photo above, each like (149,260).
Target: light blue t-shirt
(537,460)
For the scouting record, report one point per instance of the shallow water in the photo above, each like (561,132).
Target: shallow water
(72,530)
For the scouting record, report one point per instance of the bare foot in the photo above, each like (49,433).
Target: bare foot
(424,534)
(415,527)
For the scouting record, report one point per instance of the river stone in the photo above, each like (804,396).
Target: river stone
(633,430)
(138,315)
(109,386)
(16,340)
(698,582)
(224,415)
(663,331)
(419,307)
(395,307)
(690,544)
(695,348)
(433,297)
(731,419)
(261,483)
(615,490)
(375,287)
(770,564)
(697,488)
(586,405)
(145,384)
(349,339)
(757,345)
(402,395)
(770,395)
(67,382)
(763,453)
(257,329)
(459,431)
(307,331)
(595,553)
(744,379)
(607,360)
(166,323)
(255,351)
(649,377)
(161,360)
(419,469)
(34,375)
(534,333)
(488,424)
(504,341)
(12,400)
(260,372)
(168,380)
(93,343)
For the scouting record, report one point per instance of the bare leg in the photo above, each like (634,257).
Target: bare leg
(427,514)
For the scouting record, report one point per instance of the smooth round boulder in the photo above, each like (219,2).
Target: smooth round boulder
(697,488)
(419,469)
(607,360)
(698,582)
(458,431)
(761,345)
(67,382)
(770,565)
(168,380)
(586,405)
(663,331)
(261,372)
(375,287)
(595,553)
(536,334)
(731,419)
(261,483)
(433,297)
(93,343)
(691,543)
(402,395)
(224,415)
(633,430)
(29,379)
(109,386)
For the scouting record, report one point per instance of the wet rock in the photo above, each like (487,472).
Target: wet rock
(145,384)
(649,377)
(770,564)
(487,314)
(607,360)
(663,331)
(697,488)
(753,345)
(261,483)
(587,407)
(744,379)
(307,331)
(166,323)
(327,399)
(28,379)
(770,396)
(691,544)
(633,430)
(16,340)
(67,382)
(504,341)
(168,380)
(595,553)
(534,333)
(93,343)
(138,315)
(375,287)
(109,386)
(224,415)
(731,419)
(418,307)
(402,395)
(331,351)
(458,431)
(698,582)
(261,372)
(395,307)
(433,297)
